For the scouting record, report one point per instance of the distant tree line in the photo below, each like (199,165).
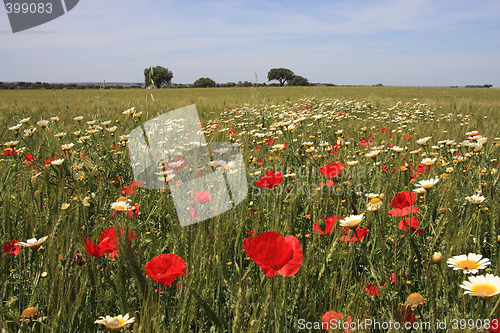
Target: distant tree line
(52,86)
(161,77)
(479,86)
(55,86)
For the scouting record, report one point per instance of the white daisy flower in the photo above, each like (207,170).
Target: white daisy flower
(482,286)
(115,324)
(470,263)
(476,199)
(427,184)
(33,243)
(351,221)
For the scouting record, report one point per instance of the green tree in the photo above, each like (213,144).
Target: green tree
(204,82)
(157,76)
(298,80)
(282,75)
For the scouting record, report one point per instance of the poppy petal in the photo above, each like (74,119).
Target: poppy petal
(403,211)
(403,199)
(331,170)
(293,266)
(329,223)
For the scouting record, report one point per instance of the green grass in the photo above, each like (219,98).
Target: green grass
(225,291)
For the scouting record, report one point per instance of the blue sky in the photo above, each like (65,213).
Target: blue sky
(393,42)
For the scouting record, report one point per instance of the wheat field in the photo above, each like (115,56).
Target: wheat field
(360,202)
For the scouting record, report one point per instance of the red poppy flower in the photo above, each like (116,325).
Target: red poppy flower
(10,247)
(133,211)
(274,253)
(232,132)
(335,147)
(383,130)
(421,169)
(331,170)
(409,137)
(130,189)
(8,151)
(411,223)
(96,250)
(251,232)
(29,160)
(327,228)
(165,268)
(269,141)
(110,234)
(361,232)
(373,290)
(202,197)
(270,180)
(401,203)
(364,142)
(494,326)
(407,314)
(330,319)
(108,243)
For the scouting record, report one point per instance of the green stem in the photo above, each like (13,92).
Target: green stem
(495,307)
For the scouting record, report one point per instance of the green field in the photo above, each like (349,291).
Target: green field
(296,131)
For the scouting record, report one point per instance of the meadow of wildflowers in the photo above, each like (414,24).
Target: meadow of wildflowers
(371,203)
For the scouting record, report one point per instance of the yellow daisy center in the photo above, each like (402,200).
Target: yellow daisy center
(483,289)
(115,322)
(375,202)
(467,265)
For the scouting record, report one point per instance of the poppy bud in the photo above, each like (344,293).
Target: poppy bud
(437,258)
(78,259)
